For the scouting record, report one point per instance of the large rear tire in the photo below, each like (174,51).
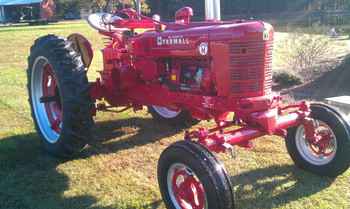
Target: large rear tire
(330,155)
(59,96)
(189,176)
(179,118)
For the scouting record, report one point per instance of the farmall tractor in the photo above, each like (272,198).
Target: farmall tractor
(183,72)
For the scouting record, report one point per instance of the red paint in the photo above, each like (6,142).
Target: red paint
(164,66)
(188,190)
(53,109)
(183,16)
(319,138)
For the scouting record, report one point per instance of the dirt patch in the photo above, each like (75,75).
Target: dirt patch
(330,84)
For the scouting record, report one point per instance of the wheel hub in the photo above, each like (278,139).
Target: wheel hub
(186,189)
(51,99)
(320,149)
(323,144)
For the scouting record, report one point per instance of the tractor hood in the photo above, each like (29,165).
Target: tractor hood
(191,40)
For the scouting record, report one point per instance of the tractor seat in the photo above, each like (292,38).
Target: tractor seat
(103,22)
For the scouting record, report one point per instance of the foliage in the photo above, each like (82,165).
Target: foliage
(74,6)
(302,52)
(167,8)
(65,7)
(286,79)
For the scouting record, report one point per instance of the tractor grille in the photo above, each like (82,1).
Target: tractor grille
(251,68)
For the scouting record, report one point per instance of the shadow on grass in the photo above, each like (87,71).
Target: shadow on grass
(108,135)
(275,186)
(29,178)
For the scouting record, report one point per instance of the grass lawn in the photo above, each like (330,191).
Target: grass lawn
(118,169)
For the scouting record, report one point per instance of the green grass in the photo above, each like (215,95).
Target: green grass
(118,169)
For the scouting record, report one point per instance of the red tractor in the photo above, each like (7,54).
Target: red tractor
(184,72)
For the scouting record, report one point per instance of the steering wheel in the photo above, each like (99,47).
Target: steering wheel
(132,20)
(117,24)
(127,14)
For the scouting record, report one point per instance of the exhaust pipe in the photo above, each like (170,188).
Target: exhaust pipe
(138,6)
(212,10)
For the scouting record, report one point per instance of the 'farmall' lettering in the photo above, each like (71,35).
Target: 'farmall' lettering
(172,40)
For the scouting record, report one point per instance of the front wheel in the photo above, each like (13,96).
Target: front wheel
(189,176)
(329,154)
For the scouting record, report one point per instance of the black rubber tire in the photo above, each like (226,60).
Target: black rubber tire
(183,120)
(73,87)
(208,169)
(339,126)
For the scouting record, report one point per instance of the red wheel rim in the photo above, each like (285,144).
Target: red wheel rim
(186,189)
(318,151)
(323,144)
(50,90)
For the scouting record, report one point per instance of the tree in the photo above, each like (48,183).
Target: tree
(74,6)
(110,5)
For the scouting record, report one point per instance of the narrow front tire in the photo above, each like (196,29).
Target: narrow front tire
(189,176)
(329,155)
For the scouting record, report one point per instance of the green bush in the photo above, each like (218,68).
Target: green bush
(301,51)
(286,79)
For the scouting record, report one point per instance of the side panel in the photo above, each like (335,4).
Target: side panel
(220,67)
